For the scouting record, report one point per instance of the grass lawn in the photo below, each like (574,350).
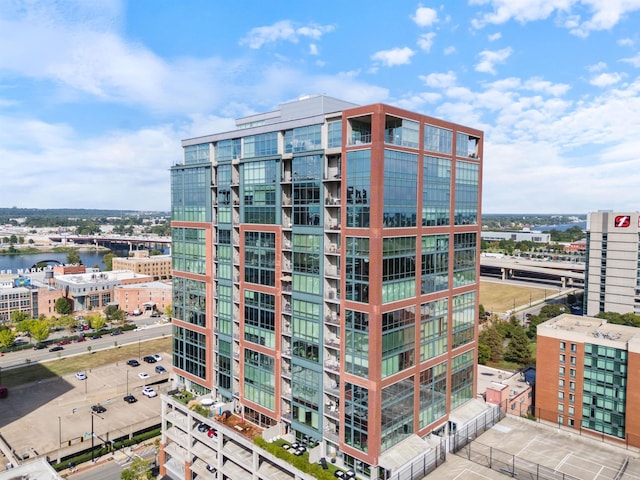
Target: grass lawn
(66,365)
(500,297)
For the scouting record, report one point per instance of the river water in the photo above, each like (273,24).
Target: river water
(14,263)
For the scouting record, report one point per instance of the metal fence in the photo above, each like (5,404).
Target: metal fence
(426,464)
(477,427)
(509,464)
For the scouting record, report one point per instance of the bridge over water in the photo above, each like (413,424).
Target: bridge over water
(110,240)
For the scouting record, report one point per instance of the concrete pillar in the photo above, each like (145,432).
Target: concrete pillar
(503,273)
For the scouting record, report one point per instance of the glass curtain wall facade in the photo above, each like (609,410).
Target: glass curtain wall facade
(325,273)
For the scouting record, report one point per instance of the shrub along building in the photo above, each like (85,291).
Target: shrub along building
(325,278)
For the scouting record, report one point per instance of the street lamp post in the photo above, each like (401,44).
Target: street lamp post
(59,437)
(92,453)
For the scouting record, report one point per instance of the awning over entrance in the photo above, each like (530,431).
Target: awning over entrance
(403,453)
(468,412)
(149,304)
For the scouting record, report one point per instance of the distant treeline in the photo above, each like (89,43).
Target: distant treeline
(66,217)
(518,221)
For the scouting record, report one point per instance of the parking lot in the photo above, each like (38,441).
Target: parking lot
(39,418)
(557,452)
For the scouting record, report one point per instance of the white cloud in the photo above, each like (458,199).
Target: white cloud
(626,42)
(439,80)
(494,37)
(449,50)
(606,79)
(635,61)
(283,30)
(603,14)
(544,86)
(313,49)
(598,67)
(522,11)
(425,41)
(425,17)
(83,59)
(394,56)
(489,59)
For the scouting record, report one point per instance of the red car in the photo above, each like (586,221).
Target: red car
(81,339)
(64,342)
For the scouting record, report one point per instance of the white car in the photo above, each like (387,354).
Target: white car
(81,375)
(156,357)
(143,375)
(149,392)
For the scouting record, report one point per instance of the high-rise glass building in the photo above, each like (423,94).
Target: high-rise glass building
(325,273)
(612,271)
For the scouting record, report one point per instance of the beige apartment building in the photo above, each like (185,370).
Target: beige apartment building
(156,266)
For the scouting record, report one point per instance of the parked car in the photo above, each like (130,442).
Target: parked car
(149,359)
(96,336)
(98,408)
(149,392)
(133,363)
(203,427)
(57,348)
(212,433)
(81,339)
(160,369)
(143,375)
(64,342)
(157,357)
(39,346)
(81,375)
(130,399)
(116,332)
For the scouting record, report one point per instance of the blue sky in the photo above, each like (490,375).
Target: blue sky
(96,95)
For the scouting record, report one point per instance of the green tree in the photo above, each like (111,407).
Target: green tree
(73,258)
(493,340)
(67,322)
(108,261)
(24,326)
(40,330)
(113,313)
(168,310)
(140,469)
(13,240)
(484,354)
(481,313)
(17,316)
(63,306)
(518,349)
(7,338)
(96,321)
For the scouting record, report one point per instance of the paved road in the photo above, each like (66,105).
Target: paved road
(111,469)
(20,357)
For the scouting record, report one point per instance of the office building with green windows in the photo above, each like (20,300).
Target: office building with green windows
(325,275)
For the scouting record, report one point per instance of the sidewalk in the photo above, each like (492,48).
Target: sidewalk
(120,456)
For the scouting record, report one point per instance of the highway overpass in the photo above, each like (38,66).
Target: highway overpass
(566,274)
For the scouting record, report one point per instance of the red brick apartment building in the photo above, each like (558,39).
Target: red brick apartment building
(588,377)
